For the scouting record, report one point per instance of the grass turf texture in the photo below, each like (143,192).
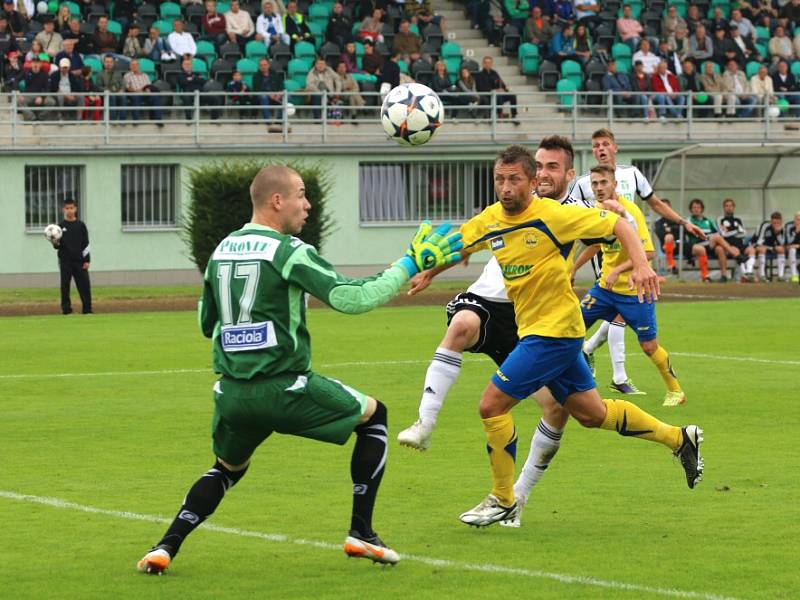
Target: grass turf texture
(609,508)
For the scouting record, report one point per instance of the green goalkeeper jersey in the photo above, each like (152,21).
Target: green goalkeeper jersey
(254,300)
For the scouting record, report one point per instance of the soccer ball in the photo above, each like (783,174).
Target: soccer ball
(411,114)
(773,112)
(53,232)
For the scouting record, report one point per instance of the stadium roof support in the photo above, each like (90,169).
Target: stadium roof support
(741,167)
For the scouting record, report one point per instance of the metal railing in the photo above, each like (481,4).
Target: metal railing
(302,118)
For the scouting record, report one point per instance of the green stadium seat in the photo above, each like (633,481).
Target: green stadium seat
(207,51)
(248,80)
(762,34)
(752,68)
(572,71)
(290,86)
(246,65)
(305,51)
(74,8)
(528,55)
(255,49)
(223,7)
(169,11)
(115,27)
(795,68)
(320,13)
(200,66)
(450,50)
(94,63)
(403,66)
(165,27)
(298,69)
(318,31)
(622,53)
(148,67)
(763,50)
(364,77)
(565,89)
(636,11)
(726,11)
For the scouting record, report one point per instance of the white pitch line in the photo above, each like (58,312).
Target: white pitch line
(373,363)
(430,561)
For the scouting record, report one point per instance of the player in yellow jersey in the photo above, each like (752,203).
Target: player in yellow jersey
(532,238)
(612,295)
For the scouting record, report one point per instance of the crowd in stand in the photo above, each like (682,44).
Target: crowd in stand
(727,238)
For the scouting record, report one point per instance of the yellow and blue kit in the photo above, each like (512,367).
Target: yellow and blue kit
(533,250)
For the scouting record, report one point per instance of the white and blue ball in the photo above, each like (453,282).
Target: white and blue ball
(411,114)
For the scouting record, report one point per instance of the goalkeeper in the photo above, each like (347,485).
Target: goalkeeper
(253,308)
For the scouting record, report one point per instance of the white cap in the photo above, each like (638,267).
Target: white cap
(64,62)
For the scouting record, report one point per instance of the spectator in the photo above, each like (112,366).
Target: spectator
(672,58)
(270,90)
(349,87)
(407,43)
(110,80)
(796,43)
(349,57)
(269,26)
(91,98)
(36,83)
(583,44)
(68,51)
(156,48)
(720,42)
(213,25)
(701,48)
(125,12)
(759,10)
(620,89)
(761,86)
(138,85)
(587,12)
(488,80)
(649,60)
(295,26)
(713,241)
(745,27)
(17,24)
(629,29)
(671,22)
(371,62)
(235,87)
(669,236)
(50,39)
(713,85)
(718,20)
(791,11)
(785,86)
(340,27)
(390,73)
(538,30)
(67,86)
(7,42)
(465,84)
(562,46)
(516,12)
(83,41)
(63,17)
(780,46)
(321,79)
(641,82)
(189,82)
(42,57)
(693,18)
(421,12)
(103,40)
(737,89)
(679,43)
(770,238)
(667,87)
(238,25)
(564,12)
(731,228)
(739,48)
(182,43)
(441,84)
(132,48)
(690,82)
(371,27)
(13,73)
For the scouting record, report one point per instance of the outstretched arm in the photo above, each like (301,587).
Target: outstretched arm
(665,210)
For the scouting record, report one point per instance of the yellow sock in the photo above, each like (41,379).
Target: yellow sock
(661,360)
(501,438)
(628,419)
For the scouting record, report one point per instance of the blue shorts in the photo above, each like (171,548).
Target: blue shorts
(537,361)
(600,304)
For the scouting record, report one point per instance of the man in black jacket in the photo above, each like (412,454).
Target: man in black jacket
(67,86)
(785,86)
(35,82)
(188,82)
(340,27)
(270,88)
(390,72)
(488,80)
(74,258)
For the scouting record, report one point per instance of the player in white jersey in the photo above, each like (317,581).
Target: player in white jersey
(482,320)
(630,183)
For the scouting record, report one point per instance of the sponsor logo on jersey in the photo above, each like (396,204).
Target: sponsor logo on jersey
(241,338)
(497,243)
(500,375)
(645,328)
(603,214)
(491,226)
(246,247)
(515,271)
(530,239)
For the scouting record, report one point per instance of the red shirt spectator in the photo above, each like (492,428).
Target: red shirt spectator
(212,22)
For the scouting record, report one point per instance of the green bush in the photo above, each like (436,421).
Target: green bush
(220,203)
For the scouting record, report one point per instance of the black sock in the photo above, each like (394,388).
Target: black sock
(366,469)
(199,504)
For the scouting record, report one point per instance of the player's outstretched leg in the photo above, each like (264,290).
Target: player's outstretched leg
(199,504)
(629,420)
(544,446)
(660,357)
(366,470)
(620,382)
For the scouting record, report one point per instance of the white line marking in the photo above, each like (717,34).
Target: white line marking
(376,363)
(435,562)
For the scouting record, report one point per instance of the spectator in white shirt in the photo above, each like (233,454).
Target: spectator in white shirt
(269,26)
(761,86)
(239,24)
(649,60)
(180,42)
(780,46)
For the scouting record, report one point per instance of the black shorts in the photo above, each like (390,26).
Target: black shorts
(498,334)
(736,242)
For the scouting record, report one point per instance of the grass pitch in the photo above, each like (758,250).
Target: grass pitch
(106,423)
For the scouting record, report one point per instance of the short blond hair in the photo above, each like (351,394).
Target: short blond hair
(272,179)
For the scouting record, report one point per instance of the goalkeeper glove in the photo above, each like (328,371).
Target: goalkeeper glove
(428,250)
